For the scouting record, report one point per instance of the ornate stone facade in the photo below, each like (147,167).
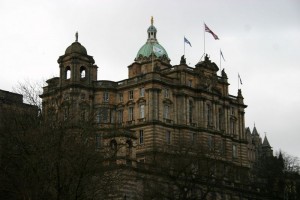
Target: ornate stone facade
(157,108)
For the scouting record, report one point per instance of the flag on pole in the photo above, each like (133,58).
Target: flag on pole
(157,50)
(210,31)
(240,79)
(186,41)
(222,55)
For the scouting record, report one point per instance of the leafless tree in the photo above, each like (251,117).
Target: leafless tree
(42,158)
(30,91)
(187,172)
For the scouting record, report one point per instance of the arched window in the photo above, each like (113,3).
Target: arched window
(82,72)
(68,72)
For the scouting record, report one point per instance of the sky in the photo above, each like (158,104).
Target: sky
(260,40)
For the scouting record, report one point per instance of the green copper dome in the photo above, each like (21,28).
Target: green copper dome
(147,49)
(152,47)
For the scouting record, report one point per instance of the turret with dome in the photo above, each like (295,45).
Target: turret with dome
(76,66)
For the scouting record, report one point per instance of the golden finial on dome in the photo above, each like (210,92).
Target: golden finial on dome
(152,20)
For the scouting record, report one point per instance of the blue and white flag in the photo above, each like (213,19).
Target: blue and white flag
(186,41)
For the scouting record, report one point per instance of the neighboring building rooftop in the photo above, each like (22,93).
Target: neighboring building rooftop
(10,97)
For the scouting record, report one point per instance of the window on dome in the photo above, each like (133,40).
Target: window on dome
(82,72)
(68,72)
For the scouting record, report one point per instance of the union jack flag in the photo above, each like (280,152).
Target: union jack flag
(210,31)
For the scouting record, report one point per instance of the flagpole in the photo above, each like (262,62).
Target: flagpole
(183,47)
(204,36)
(238,81)
(220,60)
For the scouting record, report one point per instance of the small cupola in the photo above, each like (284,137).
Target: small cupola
(76,66)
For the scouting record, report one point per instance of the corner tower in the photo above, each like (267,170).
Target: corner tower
(69,96)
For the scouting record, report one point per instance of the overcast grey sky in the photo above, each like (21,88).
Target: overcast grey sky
(260,40)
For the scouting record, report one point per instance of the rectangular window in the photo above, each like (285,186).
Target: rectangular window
(190,83)
(130,94)
(120,116)
(166,93)
(168,137)
(98,117)
(232,126)
(105,96)
(210,142)
(83,115)
(208,115)
(142,111)
(190,111)
(232,111)
(234,151)
(130,113)
(120,97)
(166,111)
(66,113)
(141,138)
(142,92)
(223,147)
(192,138)
(220,120)
(103,115)
(98,141)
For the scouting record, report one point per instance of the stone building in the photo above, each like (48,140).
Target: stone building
(158,108)
(11,104)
